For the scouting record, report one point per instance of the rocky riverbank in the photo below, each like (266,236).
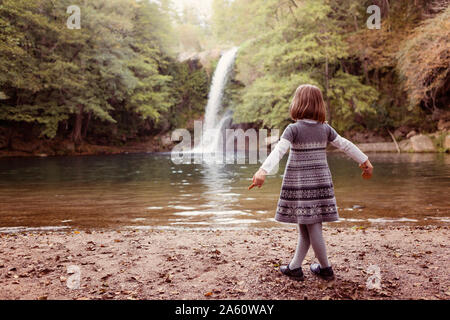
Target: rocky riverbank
(436,142)
(58,147)
(20,146)
(410,263)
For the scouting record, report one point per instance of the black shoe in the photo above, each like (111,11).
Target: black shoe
(296,274)
(324,273)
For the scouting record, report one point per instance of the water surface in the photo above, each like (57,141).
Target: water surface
(148,190)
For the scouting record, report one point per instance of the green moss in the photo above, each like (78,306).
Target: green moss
(438,141)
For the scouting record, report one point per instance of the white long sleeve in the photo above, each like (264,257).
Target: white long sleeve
(275,156)
(350,149)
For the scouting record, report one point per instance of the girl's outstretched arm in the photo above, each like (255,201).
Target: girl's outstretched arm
(355,153)
(276,155)
(349,149)
(270,163)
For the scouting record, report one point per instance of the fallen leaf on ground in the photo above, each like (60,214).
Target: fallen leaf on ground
(106,276)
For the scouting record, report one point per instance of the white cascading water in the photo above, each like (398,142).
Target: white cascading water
(212,125)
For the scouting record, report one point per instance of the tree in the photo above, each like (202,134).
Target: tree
(116,68)
(426,73)
(303,42)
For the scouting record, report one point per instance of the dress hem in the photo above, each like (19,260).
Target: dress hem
(302,220)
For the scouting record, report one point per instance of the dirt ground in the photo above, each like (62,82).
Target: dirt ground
(222,264)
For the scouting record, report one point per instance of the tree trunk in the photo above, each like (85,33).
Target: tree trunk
(327,98)
(365,68)
(76,133)
(364,57)
(86,126)
(9,136)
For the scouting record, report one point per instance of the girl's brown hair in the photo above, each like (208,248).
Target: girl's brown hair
(308,104)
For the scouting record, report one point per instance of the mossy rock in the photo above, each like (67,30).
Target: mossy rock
(441,140)
(422,143)
(446,145)
(418,143)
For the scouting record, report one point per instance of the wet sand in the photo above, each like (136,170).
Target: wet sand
(222,264)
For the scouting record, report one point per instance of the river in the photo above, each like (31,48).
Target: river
(149,191)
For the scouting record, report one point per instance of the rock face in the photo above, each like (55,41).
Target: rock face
(377,147)
(405,146)
(365,137)
(443,125)
(166,140)
(204,57)
(447,142)
(411,134)
(422,143)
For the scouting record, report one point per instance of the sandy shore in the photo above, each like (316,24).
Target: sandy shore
(224,264)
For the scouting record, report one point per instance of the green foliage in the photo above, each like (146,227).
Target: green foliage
(326,43)
(117,68)
(353,97)
(117,77)
(298,42)
(189,90)
(386,58)
(425,72)
(268,99)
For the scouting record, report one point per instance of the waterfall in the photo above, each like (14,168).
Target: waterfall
(213,125)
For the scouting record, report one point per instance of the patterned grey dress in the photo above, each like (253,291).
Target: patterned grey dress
(307,194)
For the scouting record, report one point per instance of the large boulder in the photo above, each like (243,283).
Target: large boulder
(411,134)
(377,147)
(447,142)
(443,125)
(422,143)
(405,145)
(365,137)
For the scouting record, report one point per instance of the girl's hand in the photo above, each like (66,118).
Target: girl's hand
(367,169)
(258,179)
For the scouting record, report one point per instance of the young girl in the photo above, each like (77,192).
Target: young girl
(307,194)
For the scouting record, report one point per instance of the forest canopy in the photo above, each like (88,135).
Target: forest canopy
(119,78)
(117,69)
(370,78)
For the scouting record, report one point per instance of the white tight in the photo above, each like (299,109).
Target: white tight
(310,234)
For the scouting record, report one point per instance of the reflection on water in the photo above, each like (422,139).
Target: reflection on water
(148,190)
